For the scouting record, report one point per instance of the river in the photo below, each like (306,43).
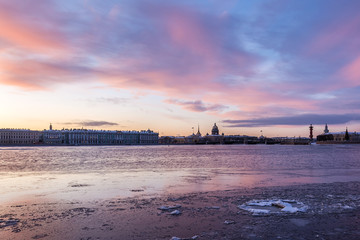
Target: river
(100,172)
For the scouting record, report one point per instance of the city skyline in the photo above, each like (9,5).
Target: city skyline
(259,67)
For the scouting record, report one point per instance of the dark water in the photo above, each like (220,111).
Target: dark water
(92,172)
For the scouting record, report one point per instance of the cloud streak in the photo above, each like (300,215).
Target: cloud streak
(197,106)
(304,119)
(92,123)
(113,100)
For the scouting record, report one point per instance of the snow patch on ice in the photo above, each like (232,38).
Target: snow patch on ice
(259,207)
(167,208)
(259,203)
(258,211)
(192,238)
(175,212)
(227,222)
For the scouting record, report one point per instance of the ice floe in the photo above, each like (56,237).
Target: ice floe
(192,238)
(9,222)
(167,208)
(259,207)
(227,222)
(255,211)
(175,212)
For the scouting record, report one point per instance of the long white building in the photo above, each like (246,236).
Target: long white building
(77,137)
(10,136)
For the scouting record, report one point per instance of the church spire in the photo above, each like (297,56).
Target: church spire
(347,137)
(326,130)
(198,132)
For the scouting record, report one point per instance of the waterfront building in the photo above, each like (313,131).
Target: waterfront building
(77,137)
(148,137)
(338,137)
(239,139)
(214,138)
(167,140)
(52,137)
(293,140)
(102,137)
(19,137)
(194,138)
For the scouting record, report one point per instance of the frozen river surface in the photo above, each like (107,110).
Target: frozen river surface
(99,172)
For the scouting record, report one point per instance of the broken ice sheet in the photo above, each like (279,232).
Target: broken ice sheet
(175,212)
(258,207)
(167,208)
(261,203)
(258,211)
(10,222)
(192,238)
(227,222)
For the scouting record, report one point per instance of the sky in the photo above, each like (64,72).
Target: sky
(252,67)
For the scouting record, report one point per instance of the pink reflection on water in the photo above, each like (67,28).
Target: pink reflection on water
(99,185)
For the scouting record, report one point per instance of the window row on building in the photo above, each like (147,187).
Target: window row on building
(77,137)
(19,137)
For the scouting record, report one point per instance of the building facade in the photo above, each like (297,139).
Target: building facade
(19,137)
(337,137)
(77,137)
(214,138)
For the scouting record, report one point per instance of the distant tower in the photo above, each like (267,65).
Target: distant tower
(198,132)
(347,137)
(215,130)
(311,132)
(326,130)
(50,128)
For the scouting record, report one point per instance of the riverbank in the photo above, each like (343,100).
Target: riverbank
(332,212)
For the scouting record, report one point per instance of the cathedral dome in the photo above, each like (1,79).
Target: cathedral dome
(215,130)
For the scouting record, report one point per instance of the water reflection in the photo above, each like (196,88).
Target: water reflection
(76,173)
(103,185)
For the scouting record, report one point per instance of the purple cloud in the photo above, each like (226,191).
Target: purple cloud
(298,55)
(197,106)
(303,119)
(113,100)
(92,123)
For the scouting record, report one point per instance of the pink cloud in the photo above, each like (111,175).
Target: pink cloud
(197,106)
(186,31)
(351,73)
(253,97)
(33,74)
(176,50)
(169,48)
(25,26)
(179,53)
(335,34)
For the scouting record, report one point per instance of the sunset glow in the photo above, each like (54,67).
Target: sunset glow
(273,66)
